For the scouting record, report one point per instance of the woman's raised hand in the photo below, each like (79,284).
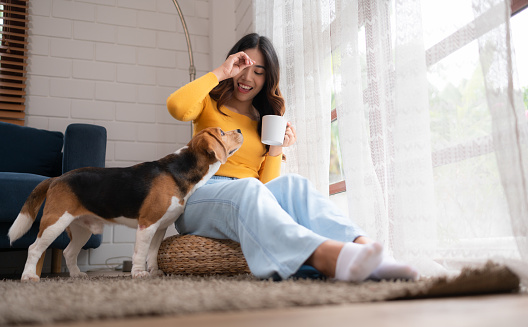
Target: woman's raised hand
(233,65)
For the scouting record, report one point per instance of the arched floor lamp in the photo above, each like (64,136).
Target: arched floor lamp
(192,69)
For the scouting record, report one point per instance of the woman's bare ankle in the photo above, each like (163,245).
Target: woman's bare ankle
(324,258)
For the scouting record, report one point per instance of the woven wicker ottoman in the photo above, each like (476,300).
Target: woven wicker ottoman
(197,255)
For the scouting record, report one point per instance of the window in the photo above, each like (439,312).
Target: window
(337,183)
(519,24)
(13,48)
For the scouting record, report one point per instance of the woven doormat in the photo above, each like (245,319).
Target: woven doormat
(67,300)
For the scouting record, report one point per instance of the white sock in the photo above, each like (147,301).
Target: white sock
(389,268)
(357,261)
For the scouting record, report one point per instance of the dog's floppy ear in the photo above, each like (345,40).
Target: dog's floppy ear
(215,145)
(217,150)
(209,140)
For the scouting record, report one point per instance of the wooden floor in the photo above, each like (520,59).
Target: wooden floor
(502,310)
(509,310)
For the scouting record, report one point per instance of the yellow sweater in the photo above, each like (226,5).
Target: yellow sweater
(192,102)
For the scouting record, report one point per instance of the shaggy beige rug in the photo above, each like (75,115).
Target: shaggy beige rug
(65,299)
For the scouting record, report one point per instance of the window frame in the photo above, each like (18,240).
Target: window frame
(518,5)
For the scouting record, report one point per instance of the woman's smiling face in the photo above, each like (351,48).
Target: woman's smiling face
(248,83)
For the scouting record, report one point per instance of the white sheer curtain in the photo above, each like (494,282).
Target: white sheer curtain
(432,131)
(300,32)
(383,115)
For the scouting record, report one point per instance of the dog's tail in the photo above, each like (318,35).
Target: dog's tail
(29,211)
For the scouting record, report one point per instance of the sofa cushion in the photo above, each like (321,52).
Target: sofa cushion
(30,150)
(14,190)
(61,242)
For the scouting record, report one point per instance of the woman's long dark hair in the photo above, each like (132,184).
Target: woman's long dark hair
(269,100)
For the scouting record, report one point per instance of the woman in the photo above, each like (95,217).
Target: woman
(281,222)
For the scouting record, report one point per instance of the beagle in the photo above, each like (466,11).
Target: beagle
(148,196)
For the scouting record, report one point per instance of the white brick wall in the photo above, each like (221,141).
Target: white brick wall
(114,63)
(244,18)
(222,39)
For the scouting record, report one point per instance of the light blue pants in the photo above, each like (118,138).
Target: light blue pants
(278,224)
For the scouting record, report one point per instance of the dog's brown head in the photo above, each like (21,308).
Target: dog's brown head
(219,145)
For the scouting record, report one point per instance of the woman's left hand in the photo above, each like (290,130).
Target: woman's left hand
(289,139)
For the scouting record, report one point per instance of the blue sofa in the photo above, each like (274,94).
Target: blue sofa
(29,156)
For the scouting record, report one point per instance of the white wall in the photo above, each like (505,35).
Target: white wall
(114,63)
(243,18)
(222,29)
(223,24)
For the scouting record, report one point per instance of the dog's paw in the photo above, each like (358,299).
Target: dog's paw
(80,274)
(140,274)
(30,277)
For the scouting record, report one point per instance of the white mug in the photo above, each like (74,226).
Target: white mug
(273,129)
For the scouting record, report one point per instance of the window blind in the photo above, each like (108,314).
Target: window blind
(13,57)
